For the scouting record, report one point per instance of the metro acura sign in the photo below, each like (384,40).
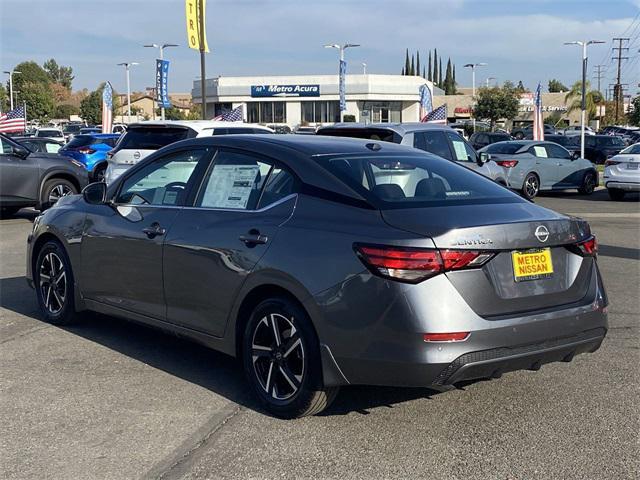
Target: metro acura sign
(285,90)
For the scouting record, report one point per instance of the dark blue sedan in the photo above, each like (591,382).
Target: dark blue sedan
(91,150)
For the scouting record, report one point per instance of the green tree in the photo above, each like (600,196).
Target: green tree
(435,66)
(58,73)
(38,99)
(497,103)
(556,86)
(91,106)
(418,62)
(173,113)
(592,97)
(449,84)
(412,71)
(65,110)
(194,112)
(4,99)
(633,116)
(440,73)
(407,64)
(429,69)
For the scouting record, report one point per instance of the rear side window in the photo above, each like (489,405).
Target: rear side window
(391,181)
(153,138)
(556,151)
(499,138)
(80,141)
(508,148)
(280,184)
(434,142)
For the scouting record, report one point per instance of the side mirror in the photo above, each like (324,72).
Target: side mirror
(95,193)
(483,157)
(20,151)
(575,156)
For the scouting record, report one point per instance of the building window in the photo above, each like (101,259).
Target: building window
(383,112)
(266,112)
(320,112)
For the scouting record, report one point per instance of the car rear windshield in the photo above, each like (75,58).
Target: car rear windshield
(632,150)
(152,138)
(380,134)
(81,141)
(49,133)
(611,141)
(414,181)
(503,147)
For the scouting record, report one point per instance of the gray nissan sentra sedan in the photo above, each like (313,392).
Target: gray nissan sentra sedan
(322,262)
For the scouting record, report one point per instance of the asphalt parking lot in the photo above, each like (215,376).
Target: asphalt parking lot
(113,400)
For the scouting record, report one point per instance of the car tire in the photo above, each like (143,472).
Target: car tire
(281,359)
(98,173)
(530,186)
(616,194)
(54,284)
(55,189)
(6,212)
(588,184)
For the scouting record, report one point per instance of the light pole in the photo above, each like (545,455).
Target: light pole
(583,114)
(126,66)
(473,66)
(342,48)
(489,80)
(161,48)
(364,68)
(11,85)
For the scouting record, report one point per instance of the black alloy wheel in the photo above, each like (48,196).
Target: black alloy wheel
(588,184)
(281,360)
(531,186)
(54,189)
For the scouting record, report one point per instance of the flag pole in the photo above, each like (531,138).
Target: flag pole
(24,104)
(202,62)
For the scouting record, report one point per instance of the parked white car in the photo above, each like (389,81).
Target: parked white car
(144,138)
(576,130)
(50,132)
(622,172)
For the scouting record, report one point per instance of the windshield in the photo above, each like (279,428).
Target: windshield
(413,181)
(504,147)
(49,133)
(152,138)
(633,149)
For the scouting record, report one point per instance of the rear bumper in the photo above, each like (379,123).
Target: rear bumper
(626,186)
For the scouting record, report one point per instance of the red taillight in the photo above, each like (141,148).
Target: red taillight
(446,337)
(610,163)
(416,264)
(86,150)
(589,247)
(507,163)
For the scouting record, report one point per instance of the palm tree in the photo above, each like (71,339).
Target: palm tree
(574,97)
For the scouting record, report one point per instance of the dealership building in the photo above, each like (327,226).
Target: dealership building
(314,99)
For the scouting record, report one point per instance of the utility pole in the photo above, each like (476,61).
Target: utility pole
(599,74)
(617,89)
(203,76)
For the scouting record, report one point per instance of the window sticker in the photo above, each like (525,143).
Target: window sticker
(461,152)
(230,186)
(540,151)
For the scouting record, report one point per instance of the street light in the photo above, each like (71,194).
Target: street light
(161,48)
(473,66)
(126,66)
(489,80)
(364,68)
(342,48)
(11,85)
(584,45)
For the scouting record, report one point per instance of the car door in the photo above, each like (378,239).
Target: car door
(215,244)
(19,177)
(122,242)
(545,167)
(567,169)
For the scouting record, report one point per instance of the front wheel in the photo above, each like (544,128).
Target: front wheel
(531,186)
(98,174)
(281,358)
(53,279)
(616,194)
(54,189)
(588,184)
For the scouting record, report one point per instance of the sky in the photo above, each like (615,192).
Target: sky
(518,39)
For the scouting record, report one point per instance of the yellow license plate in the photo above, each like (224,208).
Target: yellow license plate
(532,264)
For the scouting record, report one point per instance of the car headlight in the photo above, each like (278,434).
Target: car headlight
(77,163)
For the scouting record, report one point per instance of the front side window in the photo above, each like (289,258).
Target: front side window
(434,142)
(391,181)
(163,182)
(556,151)
(463,151)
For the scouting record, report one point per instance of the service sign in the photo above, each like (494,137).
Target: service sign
(285,90)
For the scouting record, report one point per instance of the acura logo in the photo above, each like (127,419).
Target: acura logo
(542,233)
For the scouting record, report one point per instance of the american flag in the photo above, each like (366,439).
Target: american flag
(538,125)
(107,105)
(234,115)
(13,121)
(439,115)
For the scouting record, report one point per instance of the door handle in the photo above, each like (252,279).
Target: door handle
(253,238)
(154,230)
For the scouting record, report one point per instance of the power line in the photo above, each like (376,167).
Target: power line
(599,74)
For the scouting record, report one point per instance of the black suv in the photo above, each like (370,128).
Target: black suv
(482,139)
(520,133)
(33,179)
(598,148)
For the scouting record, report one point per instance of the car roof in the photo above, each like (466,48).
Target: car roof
(197,125)
(399,128)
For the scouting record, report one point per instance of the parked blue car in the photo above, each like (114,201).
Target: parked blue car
(91,150)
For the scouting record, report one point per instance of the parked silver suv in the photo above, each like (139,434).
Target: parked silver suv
(438,139)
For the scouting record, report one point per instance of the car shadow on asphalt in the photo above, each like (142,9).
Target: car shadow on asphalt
(598,196)
(190,361)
